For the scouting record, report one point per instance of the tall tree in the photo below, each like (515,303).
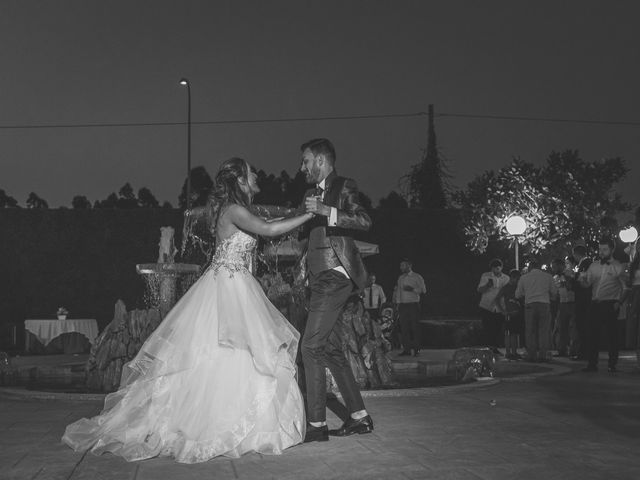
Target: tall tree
(566,201)
(587,189)
(127,197)
(296,189)
(34,201)
(201,185)
(270,189)
(493,197)
(427,181)
(80,202)
(7,201)
(110,202)
(393,201)
(146,199)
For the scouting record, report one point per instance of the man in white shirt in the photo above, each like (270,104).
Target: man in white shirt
(492,319)
(538,289)
(373,298)
(606,279)
(406,296)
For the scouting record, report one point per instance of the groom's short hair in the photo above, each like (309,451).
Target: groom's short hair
(320,146)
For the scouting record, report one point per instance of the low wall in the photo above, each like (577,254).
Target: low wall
(450,332)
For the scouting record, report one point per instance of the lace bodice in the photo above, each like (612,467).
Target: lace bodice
(235,253)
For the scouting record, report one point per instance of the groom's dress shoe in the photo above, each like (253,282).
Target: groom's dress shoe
(316,434)
(352,426)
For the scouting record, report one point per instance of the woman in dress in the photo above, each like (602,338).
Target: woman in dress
(217,377)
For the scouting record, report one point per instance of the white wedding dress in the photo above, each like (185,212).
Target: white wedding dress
(217,377)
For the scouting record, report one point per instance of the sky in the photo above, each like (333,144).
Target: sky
(86,62)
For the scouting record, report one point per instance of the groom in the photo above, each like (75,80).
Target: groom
(334,269)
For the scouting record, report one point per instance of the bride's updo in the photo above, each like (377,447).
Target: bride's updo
(226,188)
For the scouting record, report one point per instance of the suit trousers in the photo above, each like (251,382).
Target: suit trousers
(582,307)
(603,314)
(408,315)
(565,327)
(537,324)
(322,347)
(492,323)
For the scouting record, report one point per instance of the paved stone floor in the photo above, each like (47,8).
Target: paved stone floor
(572,426)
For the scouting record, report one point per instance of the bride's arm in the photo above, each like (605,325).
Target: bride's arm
(269,212)
(245,220)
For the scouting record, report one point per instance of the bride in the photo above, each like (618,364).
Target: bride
(217,377)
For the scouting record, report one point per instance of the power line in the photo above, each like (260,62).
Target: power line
(323,118)
(217,122)
(538,119)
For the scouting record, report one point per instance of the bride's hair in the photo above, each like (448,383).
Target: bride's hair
(226,188)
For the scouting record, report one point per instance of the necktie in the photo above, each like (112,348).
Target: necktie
(319,191)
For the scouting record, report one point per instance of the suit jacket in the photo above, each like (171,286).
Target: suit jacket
(342,193)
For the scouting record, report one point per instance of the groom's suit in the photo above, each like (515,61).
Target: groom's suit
(331,252)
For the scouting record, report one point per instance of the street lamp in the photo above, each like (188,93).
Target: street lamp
(516,225)
(630,236)
(185,83)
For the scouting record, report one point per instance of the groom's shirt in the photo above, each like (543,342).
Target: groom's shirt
(333,216)
(331,222)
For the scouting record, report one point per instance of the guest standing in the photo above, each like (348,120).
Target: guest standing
(513,312)
(489,285)
(565,314)
(582,301)
(605,277)
(537,288)
(407,297)
(373,298)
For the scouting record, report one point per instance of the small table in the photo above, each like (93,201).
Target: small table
(46,330)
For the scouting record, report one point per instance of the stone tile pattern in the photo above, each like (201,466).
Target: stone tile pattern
(576,426)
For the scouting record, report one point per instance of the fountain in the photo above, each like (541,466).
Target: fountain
(120,341)
(166,280)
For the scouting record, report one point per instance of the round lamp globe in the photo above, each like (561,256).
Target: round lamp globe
(629,235)
(516,225)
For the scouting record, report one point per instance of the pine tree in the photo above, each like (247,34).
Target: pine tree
(427,182)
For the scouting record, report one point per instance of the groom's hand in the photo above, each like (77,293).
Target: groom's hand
(314,205)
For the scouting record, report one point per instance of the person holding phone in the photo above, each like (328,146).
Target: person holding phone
(492,319)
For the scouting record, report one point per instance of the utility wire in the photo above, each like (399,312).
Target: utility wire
(538,119)
(218,122)
(325,118)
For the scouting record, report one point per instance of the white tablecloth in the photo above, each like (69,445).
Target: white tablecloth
(47,330)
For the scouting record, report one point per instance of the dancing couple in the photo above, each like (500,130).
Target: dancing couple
(217,377)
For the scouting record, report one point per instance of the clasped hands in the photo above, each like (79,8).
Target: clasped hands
(314,205)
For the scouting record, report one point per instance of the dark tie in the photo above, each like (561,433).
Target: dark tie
(319,191)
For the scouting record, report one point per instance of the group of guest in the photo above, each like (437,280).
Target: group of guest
(406,300)
(567,308)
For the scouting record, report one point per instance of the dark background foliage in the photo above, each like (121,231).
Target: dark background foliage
(84,259)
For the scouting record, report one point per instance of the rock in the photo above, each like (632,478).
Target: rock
(118,343)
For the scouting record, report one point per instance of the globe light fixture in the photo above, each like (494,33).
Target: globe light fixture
(516,225)
(628,235)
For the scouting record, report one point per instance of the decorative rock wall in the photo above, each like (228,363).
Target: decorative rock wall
(118,343)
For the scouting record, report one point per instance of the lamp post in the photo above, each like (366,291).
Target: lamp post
(516,225)
(185,83)
(630,236)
